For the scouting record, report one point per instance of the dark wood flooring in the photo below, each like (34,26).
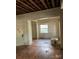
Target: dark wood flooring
(40,49)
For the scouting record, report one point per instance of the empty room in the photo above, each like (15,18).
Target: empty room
(39,29)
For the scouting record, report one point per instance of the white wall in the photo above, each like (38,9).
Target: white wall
(33,16)
(19,31)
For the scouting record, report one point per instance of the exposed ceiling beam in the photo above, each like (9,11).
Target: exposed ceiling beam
(25,5)
(22,8)
(31,5)
(49,3)
(39,3)
(44,3)
(18,10)
(53,4)
(35,4)
(57,3)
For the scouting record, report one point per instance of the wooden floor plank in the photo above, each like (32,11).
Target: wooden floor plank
(40,49)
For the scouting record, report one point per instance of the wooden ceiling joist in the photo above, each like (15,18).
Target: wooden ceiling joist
(26,6)
(35,4)
(21,8)
(44,3)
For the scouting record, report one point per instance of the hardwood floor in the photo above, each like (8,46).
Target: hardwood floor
(40,49)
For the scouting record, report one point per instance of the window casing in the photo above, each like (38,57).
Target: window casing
(44,28)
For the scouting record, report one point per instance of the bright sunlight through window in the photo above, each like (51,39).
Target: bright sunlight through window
(44,28)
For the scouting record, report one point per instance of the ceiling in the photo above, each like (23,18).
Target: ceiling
(27,6)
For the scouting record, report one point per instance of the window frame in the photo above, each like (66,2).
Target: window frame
(44,28)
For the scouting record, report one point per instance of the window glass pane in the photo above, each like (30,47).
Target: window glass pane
(44,28)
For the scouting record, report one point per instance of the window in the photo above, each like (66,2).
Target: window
(44,28)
